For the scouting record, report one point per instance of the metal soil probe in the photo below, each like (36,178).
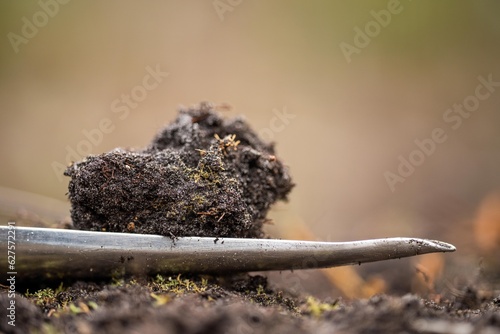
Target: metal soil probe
(45,253)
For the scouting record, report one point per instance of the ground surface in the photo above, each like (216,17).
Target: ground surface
(242,304)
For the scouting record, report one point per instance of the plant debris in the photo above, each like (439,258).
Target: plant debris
(201,176)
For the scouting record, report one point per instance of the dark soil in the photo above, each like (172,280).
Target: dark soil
(241,304)
(200,176)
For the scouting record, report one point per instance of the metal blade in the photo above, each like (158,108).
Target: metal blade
(43,253)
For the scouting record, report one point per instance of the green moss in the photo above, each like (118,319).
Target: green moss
(316,308)
(177,285)
(42,297)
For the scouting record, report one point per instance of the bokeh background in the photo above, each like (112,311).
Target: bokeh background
(349,117)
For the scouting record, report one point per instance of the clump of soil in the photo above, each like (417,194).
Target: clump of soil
(201,176)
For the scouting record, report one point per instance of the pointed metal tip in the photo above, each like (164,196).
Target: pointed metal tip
(425,246)
(441,246)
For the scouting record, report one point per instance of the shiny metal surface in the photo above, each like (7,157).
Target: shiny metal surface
(42,253)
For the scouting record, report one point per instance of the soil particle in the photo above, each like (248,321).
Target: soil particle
(201,176)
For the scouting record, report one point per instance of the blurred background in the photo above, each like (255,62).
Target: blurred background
(345,89)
